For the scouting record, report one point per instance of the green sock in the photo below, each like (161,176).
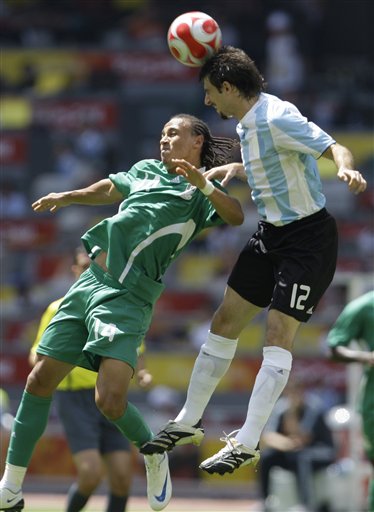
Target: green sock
(29,425)
(132,425)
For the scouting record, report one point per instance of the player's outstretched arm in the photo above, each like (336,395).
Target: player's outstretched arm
(343,159)
(227,207)
(225,173)
(348,355)
(101,192)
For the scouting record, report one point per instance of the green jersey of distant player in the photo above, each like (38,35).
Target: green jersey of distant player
(356,323)
(146,233)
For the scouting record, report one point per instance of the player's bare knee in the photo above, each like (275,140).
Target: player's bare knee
(111,405)
(37,383)
(89,480)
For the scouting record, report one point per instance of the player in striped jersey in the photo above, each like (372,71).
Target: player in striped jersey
(285,266)
(105,315)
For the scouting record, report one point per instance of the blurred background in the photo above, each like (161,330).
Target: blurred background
(86,87)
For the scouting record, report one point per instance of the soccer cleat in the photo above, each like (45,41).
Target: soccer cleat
(11,501)
(233,456)
(173,434)
(158,480)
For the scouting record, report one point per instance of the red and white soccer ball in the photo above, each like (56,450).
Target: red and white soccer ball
(193,37)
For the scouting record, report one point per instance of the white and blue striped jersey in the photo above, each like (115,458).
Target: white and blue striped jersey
(279,149)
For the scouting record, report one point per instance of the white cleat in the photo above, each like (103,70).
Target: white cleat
(10,500)
(158,480)
(233,456)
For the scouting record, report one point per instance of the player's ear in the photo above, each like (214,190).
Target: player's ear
(199,141)
(226,86)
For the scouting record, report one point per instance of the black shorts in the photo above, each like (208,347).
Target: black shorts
(84,425)
(288,267)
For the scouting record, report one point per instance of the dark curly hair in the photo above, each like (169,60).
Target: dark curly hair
(233,65)
(216,150)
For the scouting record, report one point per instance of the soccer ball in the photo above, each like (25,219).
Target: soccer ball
(193,37)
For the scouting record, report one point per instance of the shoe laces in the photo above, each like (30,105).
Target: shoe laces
(232,445)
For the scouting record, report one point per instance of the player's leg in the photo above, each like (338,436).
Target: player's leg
(111,399)
(272,376)
(241,447)
(117,326)
(211,364)
(304,255)
(111,392)
(81,421)
(116,451)
(58,351)
(119,469)
(303,259)
(29,425)
(89,475)
(217,352)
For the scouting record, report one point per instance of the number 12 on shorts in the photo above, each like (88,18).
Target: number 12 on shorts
(300,293)
(105,330)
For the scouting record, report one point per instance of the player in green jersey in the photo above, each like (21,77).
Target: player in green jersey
(356,323)
(105,315)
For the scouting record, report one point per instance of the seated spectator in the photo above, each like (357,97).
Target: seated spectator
(296,438)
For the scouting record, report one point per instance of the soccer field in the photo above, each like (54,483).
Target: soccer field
(55,503)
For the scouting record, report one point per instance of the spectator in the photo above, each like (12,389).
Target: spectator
(298,439)
(284,61)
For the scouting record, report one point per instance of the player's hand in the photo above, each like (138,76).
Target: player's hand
(144,378)
(225,173)
(354,179)
(190,172)
(51,202)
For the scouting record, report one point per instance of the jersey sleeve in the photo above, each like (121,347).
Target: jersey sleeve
(123,180)
(292,131)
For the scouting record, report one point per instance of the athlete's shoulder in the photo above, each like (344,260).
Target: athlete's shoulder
(365,301)
(277,108)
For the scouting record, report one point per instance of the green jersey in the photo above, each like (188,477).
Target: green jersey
(161,213)
(356,322)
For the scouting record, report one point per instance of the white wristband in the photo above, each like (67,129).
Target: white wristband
(208,188)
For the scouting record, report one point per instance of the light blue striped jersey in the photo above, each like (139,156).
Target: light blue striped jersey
(279,150)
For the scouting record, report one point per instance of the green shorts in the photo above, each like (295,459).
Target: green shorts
(100,318)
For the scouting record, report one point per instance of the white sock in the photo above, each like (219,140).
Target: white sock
(210,366)
(13,477)
(270,382)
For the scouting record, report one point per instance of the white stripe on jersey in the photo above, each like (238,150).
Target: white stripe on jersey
(185,229)
(279,150)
